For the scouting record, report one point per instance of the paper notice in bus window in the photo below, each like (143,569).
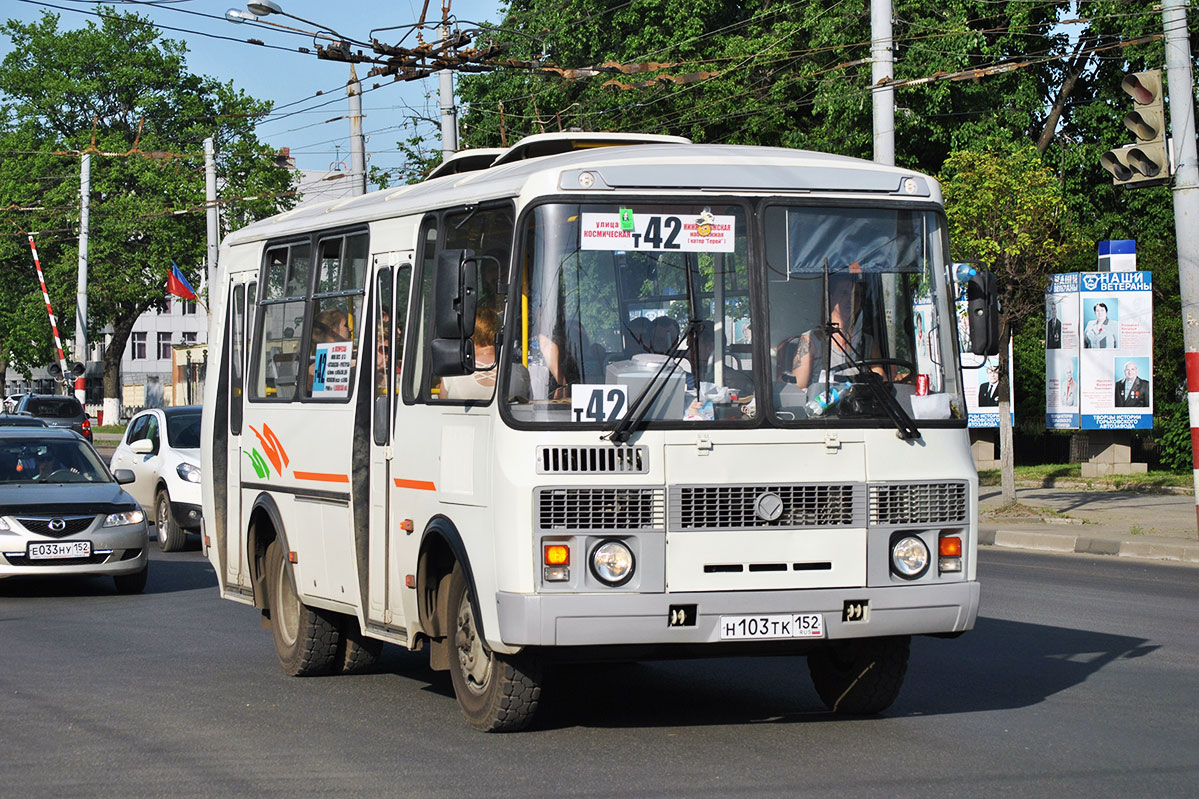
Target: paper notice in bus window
(658,233)
(331,371)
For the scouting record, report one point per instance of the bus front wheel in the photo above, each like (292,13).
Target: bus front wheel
(860,676)
(305,638)
(496,692)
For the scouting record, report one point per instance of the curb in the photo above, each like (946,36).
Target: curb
(1038,541)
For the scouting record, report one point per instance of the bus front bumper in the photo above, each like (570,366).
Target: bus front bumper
(618,619)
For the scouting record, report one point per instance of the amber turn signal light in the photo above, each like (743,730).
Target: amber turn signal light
(950,547)
(557,555)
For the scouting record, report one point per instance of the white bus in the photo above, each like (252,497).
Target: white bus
(597,396)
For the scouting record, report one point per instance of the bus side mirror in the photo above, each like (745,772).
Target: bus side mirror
(455,296)
(982,303)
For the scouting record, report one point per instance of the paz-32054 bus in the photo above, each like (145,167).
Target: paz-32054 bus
(595,396)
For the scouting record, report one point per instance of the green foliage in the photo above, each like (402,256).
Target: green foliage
(120,89)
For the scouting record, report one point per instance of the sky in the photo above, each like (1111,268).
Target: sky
(316,140)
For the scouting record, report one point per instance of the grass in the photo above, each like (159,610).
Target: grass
(108,428)
(1051,474)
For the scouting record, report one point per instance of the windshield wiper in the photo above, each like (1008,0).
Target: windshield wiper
(637,408)
(904,425)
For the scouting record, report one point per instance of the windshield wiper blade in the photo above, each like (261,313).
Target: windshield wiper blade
(637,408)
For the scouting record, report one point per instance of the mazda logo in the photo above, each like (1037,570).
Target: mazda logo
(57,525)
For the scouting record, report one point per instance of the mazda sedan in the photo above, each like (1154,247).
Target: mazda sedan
(63,513)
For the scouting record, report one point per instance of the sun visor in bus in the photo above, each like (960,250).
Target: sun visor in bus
(738,177)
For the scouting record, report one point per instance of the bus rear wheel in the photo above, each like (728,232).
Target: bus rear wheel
(860,676)
(496,692)
(305,638)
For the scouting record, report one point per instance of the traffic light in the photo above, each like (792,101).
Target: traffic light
(1147,162)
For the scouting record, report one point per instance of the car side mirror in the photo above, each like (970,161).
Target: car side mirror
(124,476)
(143,446)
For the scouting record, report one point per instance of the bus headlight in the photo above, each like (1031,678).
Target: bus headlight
(612,562)
(909,557)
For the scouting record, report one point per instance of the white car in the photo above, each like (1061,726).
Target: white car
(162,448)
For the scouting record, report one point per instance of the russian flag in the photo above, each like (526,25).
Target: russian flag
(177,284)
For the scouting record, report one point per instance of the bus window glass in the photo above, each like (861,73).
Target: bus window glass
(236,350)
(488,234)
(384,373)
(276,359)
(852,291)
(423,307)
(336,317)
(611,291)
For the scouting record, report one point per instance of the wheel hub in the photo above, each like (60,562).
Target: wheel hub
(473,657)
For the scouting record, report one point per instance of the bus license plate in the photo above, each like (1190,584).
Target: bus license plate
(59,550)
(757,628)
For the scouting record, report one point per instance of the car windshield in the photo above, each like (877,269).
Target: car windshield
(183,431)
(29,460)
(54,407)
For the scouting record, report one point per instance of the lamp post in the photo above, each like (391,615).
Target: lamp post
(261,8)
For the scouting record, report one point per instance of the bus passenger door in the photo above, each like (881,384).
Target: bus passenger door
(385,581)
(237,576)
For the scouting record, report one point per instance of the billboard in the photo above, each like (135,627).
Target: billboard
(1099,365)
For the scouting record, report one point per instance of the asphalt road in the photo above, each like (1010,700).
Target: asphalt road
(1080,680)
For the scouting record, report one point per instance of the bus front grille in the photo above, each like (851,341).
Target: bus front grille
(592,460)
(733,507)
(918,503)
(599,509)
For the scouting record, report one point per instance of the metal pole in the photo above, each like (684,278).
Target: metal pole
(1186,201)
(449,113)
(210,203)
(85,194)
(357,143)
(881,73)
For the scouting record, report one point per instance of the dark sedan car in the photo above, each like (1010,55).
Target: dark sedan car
(62,512)
(57,411)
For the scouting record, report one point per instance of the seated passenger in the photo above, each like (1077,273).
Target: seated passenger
(480,385)
(637,335)
(817,362)
(664,335)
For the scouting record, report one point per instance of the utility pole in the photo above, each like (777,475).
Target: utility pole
(357,142)
(449,113)
(882,72)
(1186,201)
(210,205)
(85,194)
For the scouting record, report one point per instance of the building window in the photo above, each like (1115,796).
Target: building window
(164,346)
(189,307)
(139,347)
(189,338)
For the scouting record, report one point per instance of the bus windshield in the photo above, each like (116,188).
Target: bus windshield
(646,309)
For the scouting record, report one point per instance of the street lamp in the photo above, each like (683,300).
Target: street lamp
(261,8)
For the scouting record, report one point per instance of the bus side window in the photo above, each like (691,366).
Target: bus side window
(236,350)
(285,284)
(421,310)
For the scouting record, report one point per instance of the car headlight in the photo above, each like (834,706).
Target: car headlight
(909,557)
(612,562)
(188,472)
(124,517)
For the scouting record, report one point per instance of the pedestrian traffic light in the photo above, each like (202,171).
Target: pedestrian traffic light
(1147,162)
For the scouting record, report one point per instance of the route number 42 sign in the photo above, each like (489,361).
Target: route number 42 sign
(598,403)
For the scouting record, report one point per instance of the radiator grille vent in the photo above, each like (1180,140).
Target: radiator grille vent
(43,525)
(918,503)
(593,460)
(600,509)
(732,507)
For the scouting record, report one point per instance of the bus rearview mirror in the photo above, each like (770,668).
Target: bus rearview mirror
(982,304)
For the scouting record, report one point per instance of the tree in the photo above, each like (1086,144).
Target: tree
(118,87)
(1007,210)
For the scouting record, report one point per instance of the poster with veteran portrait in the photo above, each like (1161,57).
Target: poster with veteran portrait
(1061,352)
(1116,360)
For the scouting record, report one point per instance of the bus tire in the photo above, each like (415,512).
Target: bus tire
(355,652)
(305,638)
(860,676)
(171,537)
(495,692)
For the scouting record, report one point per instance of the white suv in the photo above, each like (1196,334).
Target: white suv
(162,448)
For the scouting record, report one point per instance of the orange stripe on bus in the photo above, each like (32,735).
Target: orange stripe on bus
(420,485)
(321,477)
